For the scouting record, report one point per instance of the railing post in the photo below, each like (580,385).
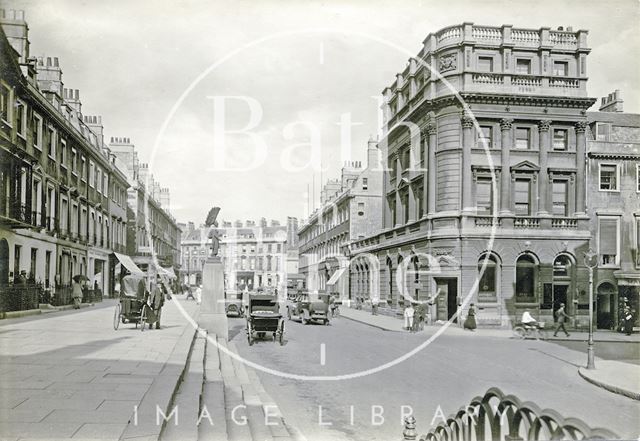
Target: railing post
(409,433)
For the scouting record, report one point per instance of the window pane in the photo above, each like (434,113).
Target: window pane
(484,136)
(484,199)
(560,198)
(560,68)
(485,64)
(608,240)
(522,138)
(523,66)
(522,197)
(608,177)
(525,279)
(559,139)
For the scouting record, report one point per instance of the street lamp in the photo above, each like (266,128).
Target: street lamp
(591,261)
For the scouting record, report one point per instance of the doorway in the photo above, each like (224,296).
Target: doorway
(4,262)
(447,301)
(606,306)
(559,295)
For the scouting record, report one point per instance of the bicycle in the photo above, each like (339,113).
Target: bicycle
(536,331)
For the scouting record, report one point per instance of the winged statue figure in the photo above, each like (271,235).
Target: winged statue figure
(212,224)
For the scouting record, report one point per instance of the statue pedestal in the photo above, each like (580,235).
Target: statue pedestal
(213,315)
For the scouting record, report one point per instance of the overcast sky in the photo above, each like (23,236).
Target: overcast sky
(299,62)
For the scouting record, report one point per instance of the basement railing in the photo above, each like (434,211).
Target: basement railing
(497,416)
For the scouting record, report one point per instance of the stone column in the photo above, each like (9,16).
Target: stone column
(507,140)
(543,178)
(467,142)
(581,159)
(432,131)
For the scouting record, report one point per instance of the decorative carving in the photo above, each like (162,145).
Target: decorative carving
(431,129)
(544,125)
(447,62)
(506,124)
(581,126)
(466,120)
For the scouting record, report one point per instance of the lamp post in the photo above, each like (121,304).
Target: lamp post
(590,260)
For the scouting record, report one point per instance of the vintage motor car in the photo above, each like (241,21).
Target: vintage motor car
(307,307)
(234,304)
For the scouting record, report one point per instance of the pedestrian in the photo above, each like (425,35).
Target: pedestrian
(408,317)
(22,279)
(199,294)
(561,316)
(470,322)
(157,301)
(190,294)
(628,320)
(76,292)
(374,306)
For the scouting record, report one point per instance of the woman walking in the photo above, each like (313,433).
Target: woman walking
(76,291)
(470,322)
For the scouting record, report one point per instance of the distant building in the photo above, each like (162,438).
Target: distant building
(63,200)
(151,229)
(614,208)
(351,209)
(254,255)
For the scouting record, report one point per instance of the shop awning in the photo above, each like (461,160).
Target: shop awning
(128,264)
(336,276)
(168,272)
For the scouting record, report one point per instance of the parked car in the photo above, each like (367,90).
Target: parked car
(305,308)
(234,304)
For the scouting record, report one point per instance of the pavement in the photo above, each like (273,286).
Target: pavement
(614,376)
(70,375)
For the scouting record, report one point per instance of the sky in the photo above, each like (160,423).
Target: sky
(298,81)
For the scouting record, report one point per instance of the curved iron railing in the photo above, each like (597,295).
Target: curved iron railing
(496,416)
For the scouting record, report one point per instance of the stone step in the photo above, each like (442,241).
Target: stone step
(186,402)
(212,403)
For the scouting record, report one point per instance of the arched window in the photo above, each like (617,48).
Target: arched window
(525,279)
(562,266)
(487,275)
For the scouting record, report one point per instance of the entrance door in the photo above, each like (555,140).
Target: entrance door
(560,296)
(447,302)
(606,306)
(4,262)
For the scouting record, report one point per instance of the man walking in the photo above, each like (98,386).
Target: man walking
(408,317)
(560,318)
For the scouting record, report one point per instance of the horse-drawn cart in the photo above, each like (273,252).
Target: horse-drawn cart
(263,317)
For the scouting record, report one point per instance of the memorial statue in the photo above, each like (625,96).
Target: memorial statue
(213,233)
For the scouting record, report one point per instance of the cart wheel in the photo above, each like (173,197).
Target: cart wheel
(519,332)
(143,317)
(116,316)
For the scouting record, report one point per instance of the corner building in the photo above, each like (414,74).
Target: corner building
(486,201)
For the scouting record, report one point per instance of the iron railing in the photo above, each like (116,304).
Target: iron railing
(497,416)
(19,297)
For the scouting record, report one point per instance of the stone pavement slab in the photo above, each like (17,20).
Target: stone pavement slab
(615,376)
(71,375)
(388,323)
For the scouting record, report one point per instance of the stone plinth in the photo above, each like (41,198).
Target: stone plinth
(213,316)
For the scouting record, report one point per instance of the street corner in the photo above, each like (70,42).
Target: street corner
(614,376)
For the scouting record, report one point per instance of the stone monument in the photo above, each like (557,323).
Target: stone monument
(213,315)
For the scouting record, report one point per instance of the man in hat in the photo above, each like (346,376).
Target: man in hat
(560,318)
(157,300)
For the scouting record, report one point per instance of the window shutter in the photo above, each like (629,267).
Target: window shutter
(608,236)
